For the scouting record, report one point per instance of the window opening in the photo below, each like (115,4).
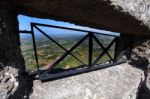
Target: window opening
(57,49)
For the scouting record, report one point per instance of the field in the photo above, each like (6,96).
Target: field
(48,52)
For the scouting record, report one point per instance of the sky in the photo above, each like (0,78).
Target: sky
(24,24)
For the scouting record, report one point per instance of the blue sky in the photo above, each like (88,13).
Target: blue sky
(24,24)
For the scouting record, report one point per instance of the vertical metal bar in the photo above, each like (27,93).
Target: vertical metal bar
(90,48)
(116,49)
(34,45)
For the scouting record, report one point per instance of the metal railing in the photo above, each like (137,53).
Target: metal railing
(91,64)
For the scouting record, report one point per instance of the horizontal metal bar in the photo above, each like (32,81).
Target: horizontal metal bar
(24,31)
(87,31)
(49,77)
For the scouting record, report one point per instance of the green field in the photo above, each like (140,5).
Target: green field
(48,52)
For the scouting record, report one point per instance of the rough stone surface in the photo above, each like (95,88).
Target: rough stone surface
(11,60)
(8,82)
(141,58)
(118,82)
(135,48)
(124,16)
(142,49)
(137,8)
(140,53)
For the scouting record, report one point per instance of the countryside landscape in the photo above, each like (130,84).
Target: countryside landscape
(48,52)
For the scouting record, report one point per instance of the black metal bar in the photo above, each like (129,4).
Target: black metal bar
(116,49)
(90,48)
(34,45)
(63,56)
(26,32)
(100,44)
(57,43)
(79,71)
(106,34)
(97,59)
(87,31)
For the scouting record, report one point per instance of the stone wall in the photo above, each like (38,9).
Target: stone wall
(124,16)
(136,49)
(140,9)
(132,47)
(141,58)
(141,50)
(12,69)
(11,60)
(124,47)
(118,82)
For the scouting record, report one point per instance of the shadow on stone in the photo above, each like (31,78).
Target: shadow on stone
(143,64)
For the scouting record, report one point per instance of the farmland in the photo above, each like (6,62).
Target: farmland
(48,52)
